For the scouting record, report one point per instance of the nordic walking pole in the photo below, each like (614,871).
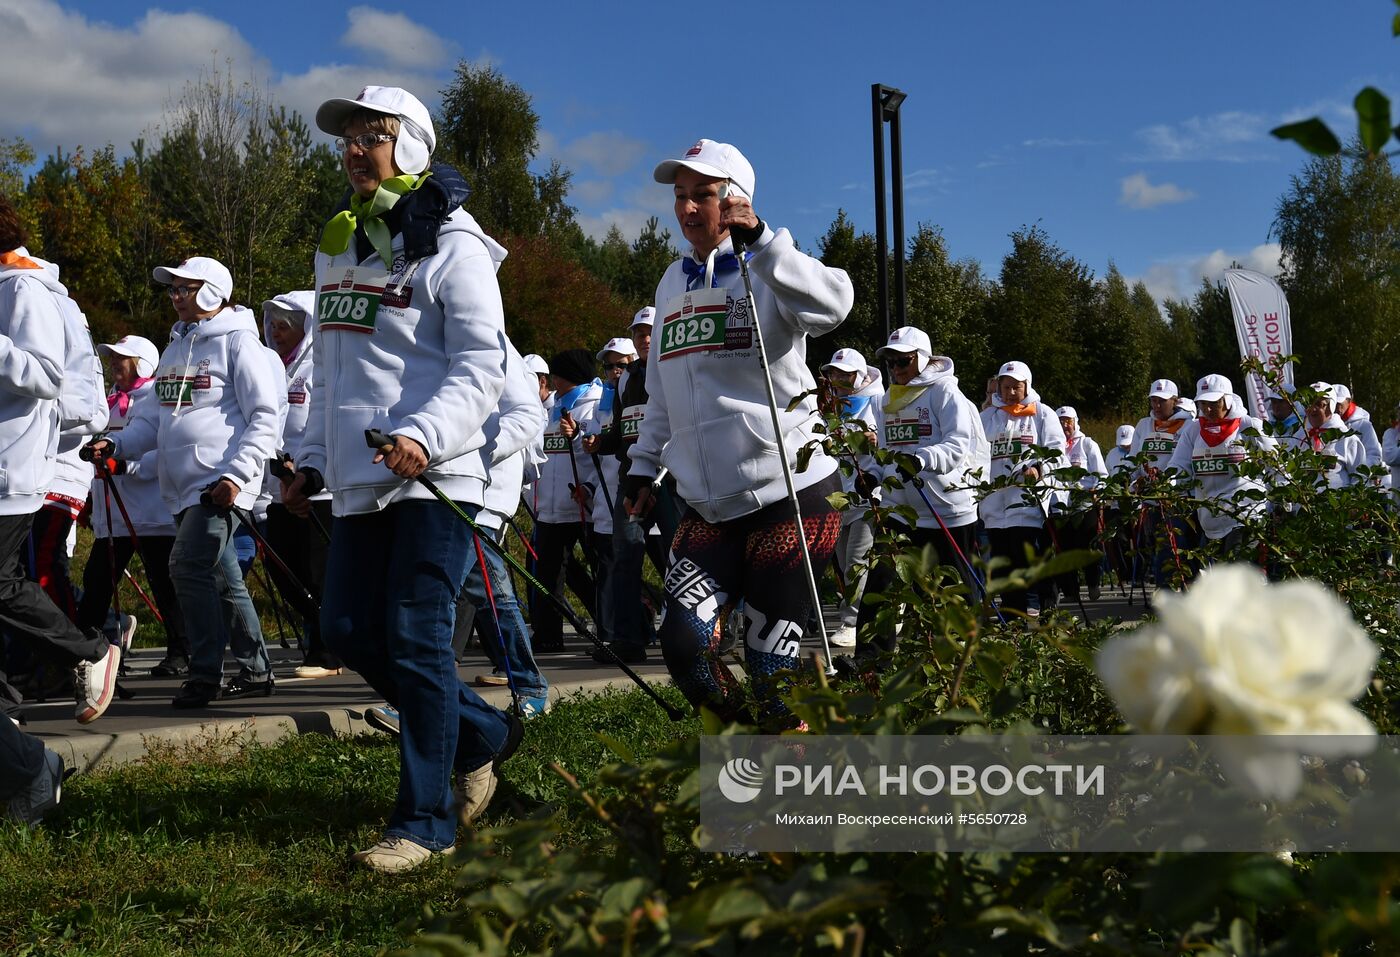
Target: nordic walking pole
(496,619)
(602,481)
(141,593)
(268,551)
(384,444)
(782,453)
(281,468)
(918,482)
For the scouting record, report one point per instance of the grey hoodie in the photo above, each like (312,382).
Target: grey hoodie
(31,380)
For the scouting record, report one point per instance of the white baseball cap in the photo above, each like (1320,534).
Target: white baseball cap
(211,272)
(847,360)
(1017,370)
(141,349)
(1163,389)
(905,339)
(646,316)
(1340,393)
(1212,388)
(622,345)
(1327,391)
(536,364)
(416,139)
(1189,405)
(1066,412)
(711,158)
(1125,435)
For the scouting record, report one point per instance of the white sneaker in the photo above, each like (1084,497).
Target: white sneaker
(126,631)
(843,637)
(316,671)
(473,791)
(394,855)
(94,683)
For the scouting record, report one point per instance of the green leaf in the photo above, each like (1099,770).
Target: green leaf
(838,500)
(1266,881)
(1373,118)
(1395,26)
(1312,135)
(617,746)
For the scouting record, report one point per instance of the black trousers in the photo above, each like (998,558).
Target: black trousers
(1011,543)
(302,549)
(97,585)
(1079,530)
(554,544)
(882,575)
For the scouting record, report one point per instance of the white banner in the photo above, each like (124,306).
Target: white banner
(1262,328)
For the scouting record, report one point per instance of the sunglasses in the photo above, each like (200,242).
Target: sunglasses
(904,360)
(609,366)
(365,141)
(180,292)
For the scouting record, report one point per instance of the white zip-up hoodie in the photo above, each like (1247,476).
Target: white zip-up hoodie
(1159,443)
(31,380)
(139,484)
(932,420)
(1348,449)
(219,411)
(1081,453)
(1009,435)
(1216,471)
(300,380)
(553,501)
(707,414)
(82,408)
(1359,421)
(432,369)
(510,432)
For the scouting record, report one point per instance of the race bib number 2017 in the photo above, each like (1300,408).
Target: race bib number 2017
(694,323)
(350,302)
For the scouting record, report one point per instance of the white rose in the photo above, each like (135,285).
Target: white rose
(1235,655)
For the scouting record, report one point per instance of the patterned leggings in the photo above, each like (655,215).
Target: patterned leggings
(754,559)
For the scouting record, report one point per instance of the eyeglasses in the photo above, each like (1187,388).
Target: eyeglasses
(365,141)
(180,292)
(901,361)
(280,325)
(609,366)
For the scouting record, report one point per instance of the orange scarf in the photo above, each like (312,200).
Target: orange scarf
(14,259)
(1169,426)
(1019,409)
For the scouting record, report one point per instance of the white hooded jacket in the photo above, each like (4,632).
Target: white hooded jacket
(219,411)
(429,364)
(1009,435)
(707,415)
(553,500)
(1215,469)
(31,380)
(930,419)
(510,431)
(139,483)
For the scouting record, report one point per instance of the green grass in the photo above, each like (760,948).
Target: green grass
(198,852)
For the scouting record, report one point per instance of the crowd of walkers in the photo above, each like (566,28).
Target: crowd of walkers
(374,438)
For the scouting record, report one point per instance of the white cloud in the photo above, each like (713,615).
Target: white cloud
(394,39)
(606,153)
(1179,277)
(1232,136)
(629,220)
(71,81)
(1055,143)
(1138,193)
(304,92)
(591,192)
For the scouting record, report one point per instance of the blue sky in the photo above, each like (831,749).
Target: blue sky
(1132,132)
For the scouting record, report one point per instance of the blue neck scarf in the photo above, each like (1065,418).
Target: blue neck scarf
(853,405)
(565,402)
(695,271)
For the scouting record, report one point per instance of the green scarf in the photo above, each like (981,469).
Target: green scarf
(899,396)
(336,237)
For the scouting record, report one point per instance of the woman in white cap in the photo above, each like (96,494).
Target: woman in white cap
(1015,516)
(925,416)
(217,426)
(410,342)
(132,361)
(614,357)
(1357,420)
(633,629)
(859,391)
(1155,439)
(710,422)
(1117,458)
(1212,451)
(288,322)
(1077,513)
(1326,432)
(1118,461)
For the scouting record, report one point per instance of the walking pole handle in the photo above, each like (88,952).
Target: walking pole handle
(379,441)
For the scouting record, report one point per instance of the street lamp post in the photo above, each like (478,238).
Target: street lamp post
(885,102)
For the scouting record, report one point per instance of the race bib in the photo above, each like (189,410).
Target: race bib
(902,432)
(554,443)
(1159,446)
(632,422)
(1005,447)
(1215,465)
(694,323)
(350,301)
(175,385)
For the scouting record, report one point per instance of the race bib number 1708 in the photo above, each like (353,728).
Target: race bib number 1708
(350,301)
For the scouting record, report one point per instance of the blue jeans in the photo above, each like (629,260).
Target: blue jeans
(520,659)
(392,580)
(213,600)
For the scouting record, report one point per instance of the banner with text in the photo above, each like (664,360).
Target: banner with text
(1262,328)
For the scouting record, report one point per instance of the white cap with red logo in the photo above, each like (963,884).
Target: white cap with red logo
(711,158)
(622,345)
(1213,388)
(141,349)
(646,316)
(906,339)
(416,139)
(1017,370)
(1162,389)
(846,360)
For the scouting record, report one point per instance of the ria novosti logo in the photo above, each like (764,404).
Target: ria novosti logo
(740,780)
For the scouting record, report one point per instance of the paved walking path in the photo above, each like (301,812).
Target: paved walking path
(332,705)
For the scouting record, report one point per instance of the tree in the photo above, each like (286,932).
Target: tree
(552,303)
(489,131)
(1043,301)
(1339,226)
(843,248)
(1116,342)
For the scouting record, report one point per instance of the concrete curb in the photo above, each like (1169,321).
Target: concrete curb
(228,736)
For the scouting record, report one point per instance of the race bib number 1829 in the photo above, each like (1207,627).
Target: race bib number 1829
(694,322)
